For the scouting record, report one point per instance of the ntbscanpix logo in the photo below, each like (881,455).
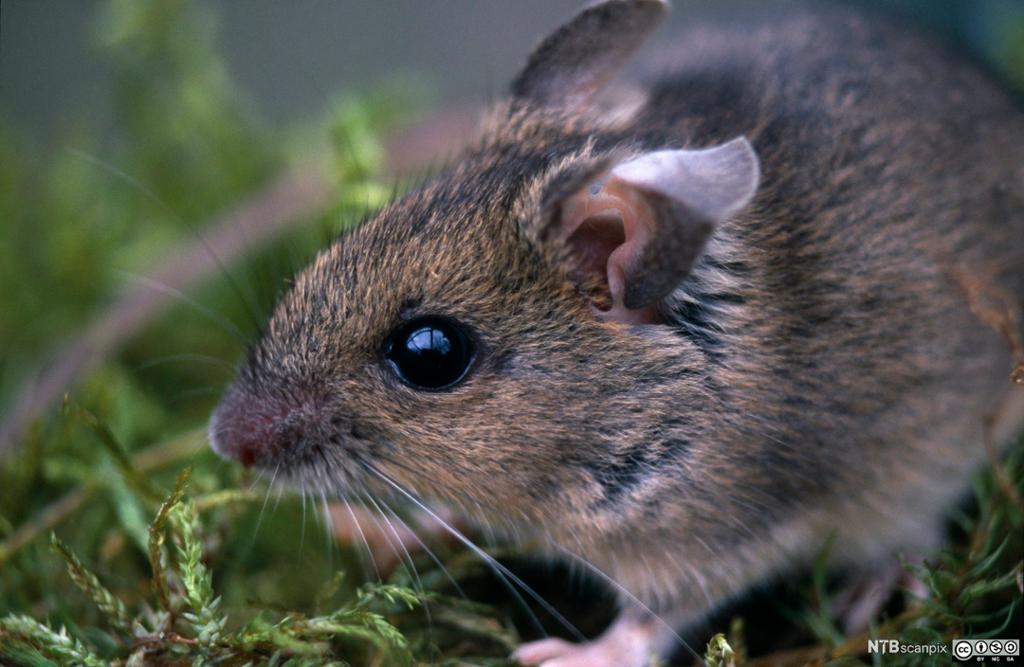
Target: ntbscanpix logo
(978,650)
(896,647)
(995,650)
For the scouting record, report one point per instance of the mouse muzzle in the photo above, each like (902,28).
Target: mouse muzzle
(260,431)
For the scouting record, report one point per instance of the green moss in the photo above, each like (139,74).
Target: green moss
(226,571)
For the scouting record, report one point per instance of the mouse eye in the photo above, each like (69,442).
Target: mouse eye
(430,352)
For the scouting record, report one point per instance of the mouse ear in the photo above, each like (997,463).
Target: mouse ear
(575,61)
(638,228)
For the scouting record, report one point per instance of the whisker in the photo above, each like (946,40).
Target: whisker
(185,394)
(277,501)
(263,509)
(328,526)
(490,538)
(410,563)
(359,529)
(490,560)
(246,299)
(259,478)
(404,557)
(426,549)
(302,529)
(210,315)
(632,598)
(187,356)
(387,538)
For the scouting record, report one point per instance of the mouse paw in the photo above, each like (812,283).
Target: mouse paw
(619,647)
(865,595)
(560,653)
(535,653)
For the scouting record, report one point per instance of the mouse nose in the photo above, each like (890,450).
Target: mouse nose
(254,430)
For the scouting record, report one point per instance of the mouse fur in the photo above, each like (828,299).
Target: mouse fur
(818,373)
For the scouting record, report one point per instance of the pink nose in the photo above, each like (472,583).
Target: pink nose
(255,431)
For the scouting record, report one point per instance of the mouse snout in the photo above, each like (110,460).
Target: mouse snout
(255,431)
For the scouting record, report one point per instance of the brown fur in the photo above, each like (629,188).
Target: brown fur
(820,371)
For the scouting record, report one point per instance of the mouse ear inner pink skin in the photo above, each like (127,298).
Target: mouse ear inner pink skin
(573,63)
(640,228)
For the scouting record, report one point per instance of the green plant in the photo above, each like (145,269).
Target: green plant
(141,568)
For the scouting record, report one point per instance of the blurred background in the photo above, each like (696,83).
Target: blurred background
(165,165)
(125,126)
(290,59)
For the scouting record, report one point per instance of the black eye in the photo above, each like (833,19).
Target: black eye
(430,352)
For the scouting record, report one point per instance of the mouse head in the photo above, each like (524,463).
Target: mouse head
(496,339)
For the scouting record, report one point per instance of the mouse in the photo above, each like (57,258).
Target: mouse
(677,319)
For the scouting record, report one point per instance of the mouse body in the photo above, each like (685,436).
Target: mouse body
(680,331)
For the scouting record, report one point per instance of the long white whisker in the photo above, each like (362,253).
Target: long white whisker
(196,231)
(410,563)
(387,538)
(186,356)
(212,316)
(253,483)
(277,500)
(632,598)
(405,556)
(362,535)
(426,549)
(489,536)
(487,558)
(302,529)
(328,527)
(266,498)
(134,182)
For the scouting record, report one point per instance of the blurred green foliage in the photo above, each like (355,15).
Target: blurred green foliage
(143,568)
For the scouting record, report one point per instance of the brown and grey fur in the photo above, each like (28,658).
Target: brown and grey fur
(820,371)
